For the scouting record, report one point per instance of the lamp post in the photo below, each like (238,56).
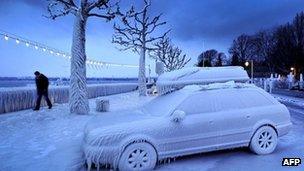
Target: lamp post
(251,66)
(292,70)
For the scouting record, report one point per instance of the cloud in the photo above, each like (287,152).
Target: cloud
(222,19)
(196,25)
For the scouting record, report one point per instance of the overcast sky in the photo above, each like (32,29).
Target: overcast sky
(196,25)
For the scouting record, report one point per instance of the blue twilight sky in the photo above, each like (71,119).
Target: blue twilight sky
(196,25)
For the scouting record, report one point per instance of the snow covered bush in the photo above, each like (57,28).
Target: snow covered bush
(24,98)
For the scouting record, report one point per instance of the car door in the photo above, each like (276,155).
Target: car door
(234,123)
(197,132)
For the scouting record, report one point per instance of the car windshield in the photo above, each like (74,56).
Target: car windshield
(165,104)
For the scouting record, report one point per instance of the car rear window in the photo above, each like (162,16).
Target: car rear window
(253,98)
(231,99)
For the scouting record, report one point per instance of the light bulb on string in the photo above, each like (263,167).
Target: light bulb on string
(44,48)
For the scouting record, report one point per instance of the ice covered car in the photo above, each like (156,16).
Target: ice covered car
(192,120)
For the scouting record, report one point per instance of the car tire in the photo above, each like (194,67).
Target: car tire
(264,140)
(138,156)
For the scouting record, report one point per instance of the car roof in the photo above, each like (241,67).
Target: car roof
(224,87)
(218,86)
(174,80)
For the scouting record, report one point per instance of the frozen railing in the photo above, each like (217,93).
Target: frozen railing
(199,76)
(16,99)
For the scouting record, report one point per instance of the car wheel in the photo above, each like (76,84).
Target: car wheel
(264,140)
(138,156)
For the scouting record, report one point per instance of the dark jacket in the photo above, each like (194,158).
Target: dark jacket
(42,83)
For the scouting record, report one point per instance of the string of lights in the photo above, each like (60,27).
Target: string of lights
(53,51)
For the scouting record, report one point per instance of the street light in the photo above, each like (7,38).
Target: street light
(247,64)
(292,70)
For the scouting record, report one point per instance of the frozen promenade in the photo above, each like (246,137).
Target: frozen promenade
(50,140)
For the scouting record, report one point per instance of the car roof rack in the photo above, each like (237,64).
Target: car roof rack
(178,79)
(216,86)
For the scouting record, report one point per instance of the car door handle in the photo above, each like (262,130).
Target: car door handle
(210,122)
(247,116)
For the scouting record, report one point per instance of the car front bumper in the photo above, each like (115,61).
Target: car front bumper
(101,155)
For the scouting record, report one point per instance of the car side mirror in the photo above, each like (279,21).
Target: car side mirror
(177,116)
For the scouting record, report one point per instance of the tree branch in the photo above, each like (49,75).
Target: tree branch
(58,8)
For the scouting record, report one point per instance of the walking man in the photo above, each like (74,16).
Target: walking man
(42,84)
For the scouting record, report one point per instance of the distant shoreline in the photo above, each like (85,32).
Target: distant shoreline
(7,82)
(10,82)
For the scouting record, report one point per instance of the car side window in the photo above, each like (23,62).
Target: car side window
(227,99)
(253,98)
(203,102)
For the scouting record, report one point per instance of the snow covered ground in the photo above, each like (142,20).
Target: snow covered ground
(51,140)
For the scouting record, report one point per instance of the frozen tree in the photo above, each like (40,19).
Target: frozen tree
(234,60)
(264,43)
(135,33)
(82,10)
(171,56)
(207,58)
(220,59)
(242,48)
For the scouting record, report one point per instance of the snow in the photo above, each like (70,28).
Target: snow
(290,100)
(164,104)
(225,105)
(51,140)
(178,116)
(142,88)
(171,100)
(15,99)
(78,95)
(177,79)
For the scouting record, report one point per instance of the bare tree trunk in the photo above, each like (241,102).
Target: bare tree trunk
(79,103)
(142,73)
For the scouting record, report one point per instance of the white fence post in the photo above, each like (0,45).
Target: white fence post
(290,80)
(265,84)
(271,83)
(301,81)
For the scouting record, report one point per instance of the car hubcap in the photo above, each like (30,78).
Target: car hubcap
(265,140)
(138,159)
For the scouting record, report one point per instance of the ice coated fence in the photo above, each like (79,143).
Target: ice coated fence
(24,98)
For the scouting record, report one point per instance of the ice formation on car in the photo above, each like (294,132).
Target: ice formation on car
(178,79)
(212,86)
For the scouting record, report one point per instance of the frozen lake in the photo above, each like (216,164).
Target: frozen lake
(14,82)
